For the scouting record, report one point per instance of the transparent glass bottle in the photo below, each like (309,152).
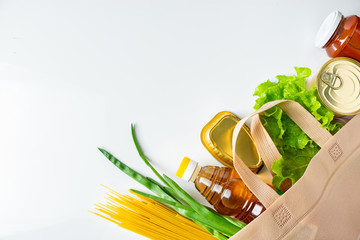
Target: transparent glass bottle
(223,189)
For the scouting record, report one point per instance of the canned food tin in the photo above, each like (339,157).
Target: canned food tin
(338,86)
(216,137)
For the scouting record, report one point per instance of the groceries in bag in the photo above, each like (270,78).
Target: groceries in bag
(295,147)
(336,90)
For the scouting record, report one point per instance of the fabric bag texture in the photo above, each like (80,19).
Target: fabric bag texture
(325,202)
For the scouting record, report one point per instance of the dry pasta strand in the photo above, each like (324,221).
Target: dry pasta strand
(148,218)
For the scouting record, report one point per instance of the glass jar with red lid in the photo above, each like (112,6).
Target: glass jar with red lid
(340,36)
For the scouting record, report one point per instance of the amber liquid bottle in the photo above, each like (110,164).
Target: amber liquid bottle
(222,188)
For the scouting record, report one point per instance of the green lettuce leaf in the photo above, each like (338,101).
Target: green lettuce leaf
(296,148)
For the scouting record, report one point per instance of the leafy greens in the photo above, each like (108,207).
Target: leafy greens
(296,148)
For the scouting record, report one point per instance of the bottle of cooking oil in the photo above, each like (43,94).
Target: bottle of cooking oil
(223,188)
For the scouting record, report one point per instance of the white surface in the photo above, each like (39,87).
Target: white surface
(328,28)
(74,74)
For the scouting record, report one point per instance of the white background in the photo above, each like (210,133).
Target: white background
(75,74)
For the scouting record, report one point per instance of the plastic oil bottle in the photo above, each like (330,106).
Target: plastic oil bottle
(223,188)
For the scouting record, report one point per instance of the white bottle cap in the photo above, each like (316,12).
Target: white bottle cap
(327,28)
(186,169)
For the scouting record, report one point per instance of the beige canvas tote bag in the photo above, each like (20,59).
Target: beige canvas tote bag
(325,202)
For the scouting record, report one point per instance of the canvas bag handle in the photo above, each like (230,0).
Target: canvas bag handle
(302,118)
(268,151)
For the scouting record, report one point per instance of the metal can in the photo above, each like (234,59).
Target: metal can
(342,119)
(338,86)
(216,137)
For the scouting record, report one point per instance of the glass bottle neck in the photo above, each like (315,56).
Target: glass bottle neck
(195,174)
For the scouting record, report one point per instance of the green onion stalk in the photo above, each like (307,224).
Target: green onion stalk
(171,194)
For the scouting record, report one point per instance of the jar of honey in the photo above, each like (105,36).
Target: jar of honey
(340,36)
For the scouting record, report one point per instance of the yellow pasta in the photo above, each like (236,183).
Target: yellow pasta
(149,218)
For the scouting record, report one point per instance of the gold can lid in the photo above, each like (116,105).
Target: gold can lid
(216,137)
(338,85)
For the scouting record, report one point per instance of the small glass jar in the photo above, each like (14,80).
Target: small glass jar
(340,36)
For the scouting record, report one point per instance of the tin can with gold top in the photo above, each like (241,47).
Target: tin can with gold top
(338,86)
(216,137)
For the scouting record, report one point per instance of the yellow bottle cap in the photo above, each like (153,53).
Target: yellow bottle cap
(186,168)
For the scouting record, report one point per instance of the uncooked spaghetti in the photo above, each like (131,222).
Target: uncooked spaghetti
(149,218)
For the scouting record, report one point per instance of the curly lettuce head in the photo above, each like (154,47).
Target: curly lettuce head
(296,148)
